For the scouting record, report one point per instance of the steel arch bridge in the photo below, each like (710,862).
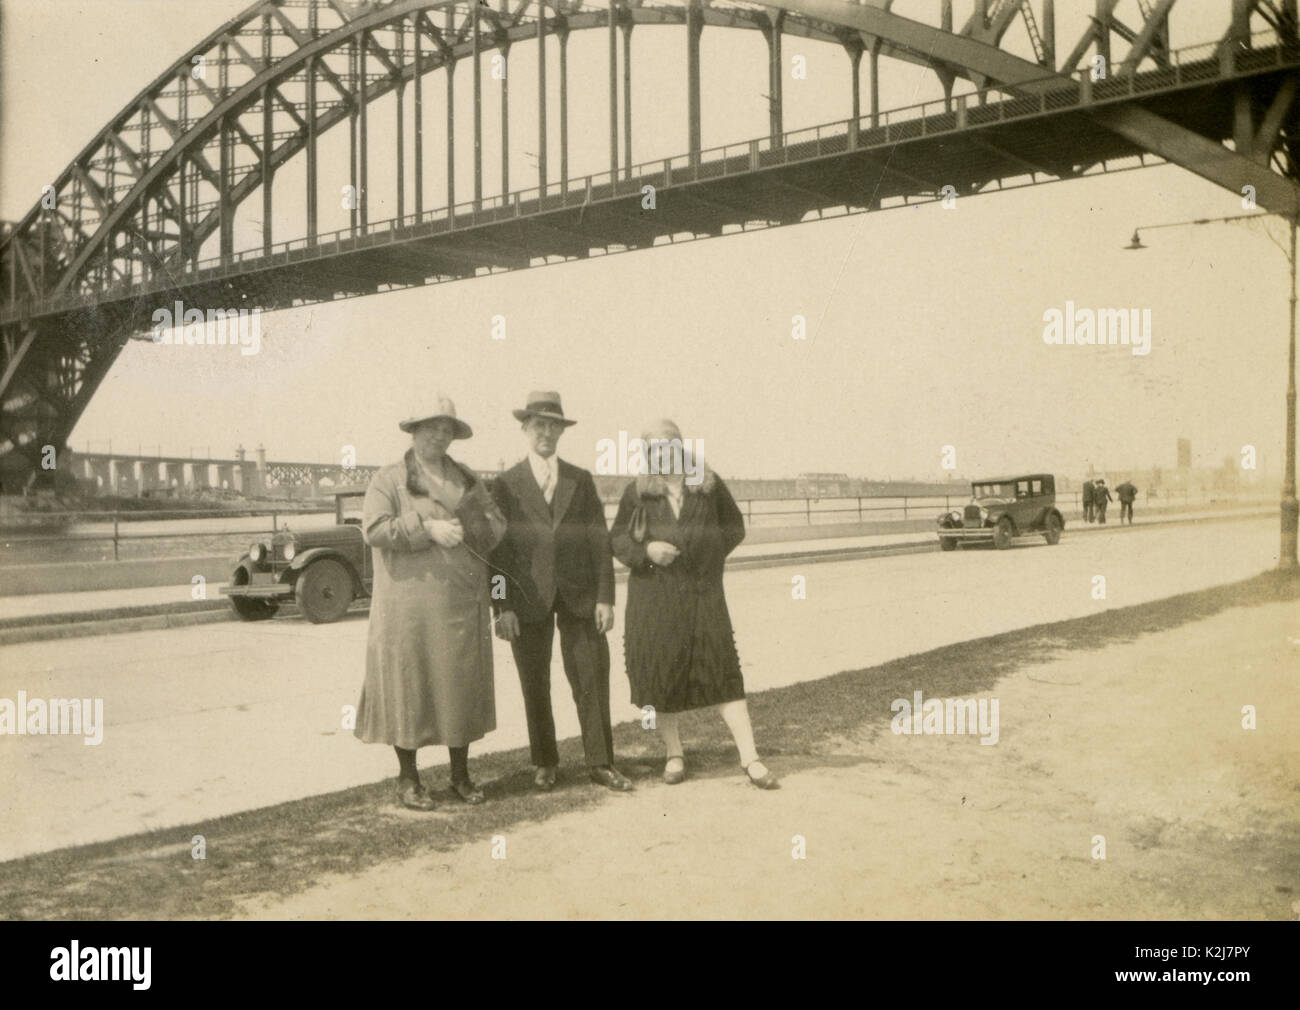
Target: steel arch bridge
(146,214)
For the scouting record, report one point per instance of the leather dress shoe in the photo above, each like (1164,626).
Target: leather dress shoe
(611,778)
(675,776)
(469,792)
(414,796)
(765,781)
(544,779)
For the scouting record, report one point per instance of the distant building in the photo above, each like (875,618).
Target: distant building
(821,485)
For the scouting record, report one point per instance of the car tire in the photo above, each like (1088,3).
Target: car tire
(1052,530)
(1003,534)
(947,543)
(324,591)
(249,609)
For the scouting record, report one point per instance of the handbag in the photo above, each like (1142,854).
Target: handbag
(475,512)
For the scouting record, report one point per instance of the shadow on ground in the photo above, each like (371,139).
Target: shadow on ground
(285,848)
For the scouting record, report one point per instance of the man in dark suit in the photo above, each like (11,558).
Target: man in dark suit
(559,571)
(1127,494)
(1089,498)
(1101,497)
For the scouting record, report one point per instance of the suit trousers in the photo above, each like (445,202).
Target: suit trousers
(585,653)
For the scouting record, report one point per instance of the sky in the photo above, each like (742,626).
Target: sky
(924,325)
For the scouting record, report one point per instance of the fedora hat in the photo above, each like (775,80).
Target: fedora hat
(443,409)
(544,403)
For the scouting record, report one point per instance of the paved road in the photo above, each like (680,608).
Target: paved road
(210,720)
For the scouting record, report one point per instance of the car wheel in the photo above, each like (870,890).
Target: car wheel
(324,591)
(1052,530)
(249,609)
(1003,534)
(947,543)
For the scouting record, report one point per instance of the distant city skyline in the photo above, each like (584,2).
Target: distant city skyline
(1262,474)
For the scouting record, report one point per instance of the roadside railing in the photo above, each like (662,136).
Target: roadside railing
(115,527)
(107,527)
(813,511)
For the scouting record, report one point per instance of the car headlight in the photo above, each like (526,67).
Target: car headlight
(955,515)
(255,552)
(984,513)
(289,551)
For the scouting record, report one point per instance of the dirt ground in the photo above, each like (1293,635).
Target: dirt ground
(1139,741)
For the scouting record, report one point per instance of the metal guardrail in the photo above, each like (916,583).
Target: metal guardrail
(810,511)
(118,535)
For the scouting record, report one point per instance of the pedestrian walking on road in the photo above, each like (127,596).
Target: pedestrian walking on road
(560,571)
(431,524)
(675,534)
(1127,493)
(1088,496)
(1101,496)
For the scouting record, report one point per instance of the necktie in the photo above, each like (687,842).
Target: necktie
(548,485)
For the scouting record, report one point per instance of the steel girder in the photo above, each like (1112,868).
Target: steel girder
(130,206)
(1229,168)
(170,169)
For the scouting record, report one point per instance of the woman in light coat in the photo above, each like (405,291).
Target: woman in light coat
(430,523)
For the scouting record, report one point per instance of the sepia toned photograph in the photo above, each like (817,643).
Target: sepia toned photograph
(607,460)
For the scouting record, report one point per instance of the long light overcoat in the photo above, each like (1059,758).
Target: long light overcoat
(429,651)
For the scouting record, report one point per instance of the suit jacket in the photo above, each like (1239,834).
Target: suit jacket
(557,551)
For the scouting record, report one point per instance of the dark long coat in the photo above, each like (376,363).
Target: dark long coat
(679,647)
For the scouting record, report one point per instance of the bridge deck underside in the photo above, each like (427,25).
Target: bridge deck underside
(782,187)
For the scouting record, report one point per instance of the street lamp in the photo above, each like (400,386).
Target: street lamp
(1290,508)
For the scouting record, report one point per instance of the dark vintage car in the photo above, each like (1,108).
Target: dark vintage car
(321,570)
(1002,509)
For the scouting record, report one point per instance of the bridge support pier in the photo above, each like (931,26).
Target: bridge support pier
(124,482)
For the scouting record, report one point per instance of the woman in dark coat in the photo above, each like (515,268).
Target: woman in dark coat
(680,650)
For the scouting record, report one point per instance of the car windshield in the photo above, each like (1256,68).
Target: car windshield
(1006,490)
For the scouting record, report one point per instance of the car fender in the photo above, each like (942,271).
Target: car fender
(245,565)
(243,572)
(242,565)
(1054,512)
(301,561)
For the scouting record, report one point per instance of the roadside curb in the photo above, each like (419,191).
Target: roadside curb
(110,613)
(186,613)
(115,625)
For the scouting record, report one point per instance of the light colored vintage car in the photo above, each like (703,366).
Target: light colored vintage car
(1002,509)
(322,571)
